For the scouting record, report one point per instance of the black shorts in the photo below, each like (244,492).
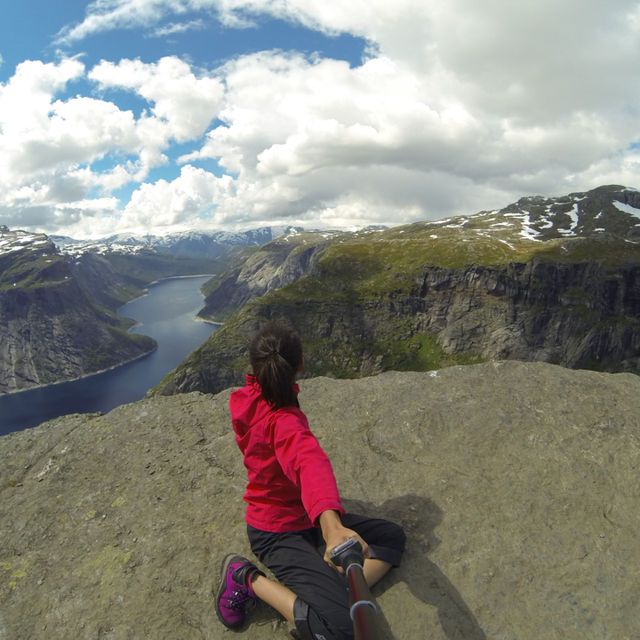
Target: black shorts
(297,560)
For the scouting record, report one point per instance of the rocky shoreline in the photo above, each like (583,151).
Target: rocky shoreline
(83,377)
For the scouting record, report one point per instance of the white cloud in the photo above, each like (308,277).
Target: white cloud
(296,129)
(367,18)
(179,204)
(186,103)
(38,132)
(49,145)
(26,98)
(106,15)
(178,27)
(460,106)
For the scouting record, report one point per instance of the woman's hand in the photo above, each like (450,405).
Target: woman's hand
(334,533)
(343,537)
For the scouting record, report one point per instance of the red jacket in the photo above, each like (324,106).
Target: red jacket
(291,481)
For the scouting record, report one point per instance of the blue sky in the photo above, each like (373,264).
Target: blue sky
(31,29)
(153,116)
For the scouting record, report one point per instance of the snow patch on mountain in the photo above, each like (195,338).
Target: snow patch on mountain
(11,241)
(626,208)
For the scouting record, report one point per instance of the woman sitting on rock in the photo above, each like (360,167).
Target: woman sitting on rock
(294,511)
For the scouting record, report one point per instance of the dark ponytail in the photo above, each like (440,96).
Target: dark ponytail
(276,357)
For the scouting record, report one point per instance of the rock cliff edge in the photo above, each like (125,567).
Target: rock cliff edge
(517,484)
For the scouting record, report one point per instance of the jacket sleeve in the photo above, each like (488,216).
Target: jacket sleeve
(305,463)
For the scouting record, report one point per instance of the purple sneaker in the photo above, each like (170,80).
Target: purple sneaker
(236,594)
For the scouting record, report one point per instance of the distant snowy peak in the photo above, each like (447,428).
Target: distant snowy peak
(608,209)
(204,244)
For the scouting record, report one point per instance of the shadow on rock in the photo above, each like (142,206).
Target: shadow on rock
(419,517)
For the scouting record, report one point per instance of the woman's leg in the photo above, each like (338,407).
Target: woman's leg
(296,559)
(374,570)
(276,595)
(386,541)
(321,605)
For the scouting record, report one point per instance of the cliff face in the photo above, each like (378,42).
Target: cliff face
(516,483)
(578,315)
(54,333)
(49,329)
(541,282)
(257,271)
(100,281)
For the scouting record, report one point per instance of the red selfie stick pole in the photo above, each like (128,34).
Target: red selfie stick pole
(364,611)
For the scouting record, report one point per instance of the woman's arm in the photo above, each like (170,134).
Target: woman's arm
(334,533)
(305,463)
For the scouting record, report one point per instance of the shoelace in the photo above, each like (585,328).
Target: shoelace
(237,600)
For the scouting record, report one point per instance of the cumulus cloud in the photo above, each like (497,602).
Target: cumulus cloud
(306,136)
(458,106)
(186,103)
(165,205)
(49,145)
(303,137)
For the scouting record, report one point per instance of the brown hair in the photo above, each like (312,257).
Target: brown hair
(276,357)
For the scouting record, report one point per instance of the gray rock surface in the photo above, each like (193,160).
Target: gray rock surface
(517,484)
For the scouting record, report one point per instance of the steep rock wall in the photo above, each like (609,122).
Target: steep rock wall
(53,332)
(577,315)
(273,266)
(582,315)
(100,281)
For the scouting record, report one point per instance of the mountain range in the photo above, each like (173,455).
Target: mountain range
(187,244)
(51,329)
(515,482)
(550,279)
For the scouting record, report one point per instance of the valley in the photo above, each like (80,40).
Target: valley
(542,279)
(59,301)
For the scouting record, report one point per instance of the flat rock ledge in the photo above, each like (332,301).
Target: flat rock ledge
(517,483)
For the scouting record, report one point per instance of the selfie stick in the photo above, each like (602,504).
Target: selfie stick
(364,611)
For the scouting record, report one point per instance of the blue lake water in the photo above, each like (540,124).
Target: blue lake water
(167,314)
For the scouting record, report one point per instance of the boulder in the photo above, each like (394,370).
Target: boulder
(517,485)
